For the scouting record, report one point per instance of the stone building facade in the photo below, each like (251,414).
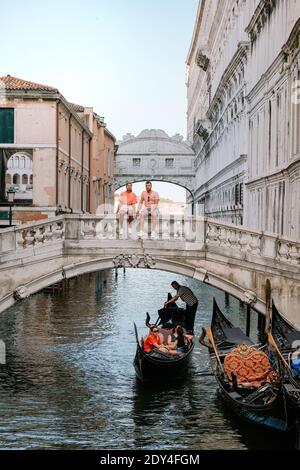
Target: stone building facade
(243,64)
(37,122)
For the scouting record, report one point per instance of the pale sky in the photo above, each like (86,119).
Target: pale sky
(165,190)
(124,58)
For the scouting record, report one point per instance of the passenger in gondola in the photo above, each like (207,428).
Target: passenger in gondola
(154,341)
(294,360)
(178,341)
(191,301)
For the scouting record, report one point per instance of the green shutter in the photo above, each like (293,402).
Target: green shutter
(6,125)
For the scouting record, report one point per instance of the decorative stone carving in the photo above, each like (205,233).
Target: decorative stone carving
(260,18)
(288,252)
(133,261)
(202,60)
(250,298)
(21,293)
(202,131)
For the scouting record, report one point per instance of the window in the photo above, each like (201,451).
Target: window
(16,179)
(6,125)
(239,193)
(136,162)
(169,162)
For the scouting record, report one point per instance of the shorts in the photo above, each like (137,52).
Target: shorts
(126,210)
(148,211)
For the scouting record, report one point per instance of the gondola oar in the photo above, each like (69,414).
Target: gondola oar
(211,339)
(273,343)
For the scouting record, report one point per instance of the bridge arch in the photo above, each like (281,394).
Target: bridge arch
(121,182)
(232,258)
(103,263)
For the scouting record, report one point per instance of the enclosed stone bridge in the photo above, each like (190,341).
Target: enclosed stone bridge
(153,155)
(229,257)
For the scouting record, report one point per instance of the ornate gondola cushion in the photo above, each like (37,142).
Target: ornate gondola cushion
(250,366)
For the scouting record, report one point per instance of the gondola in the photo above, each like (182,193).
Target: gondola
(157,366)
(284,338)
(256,401)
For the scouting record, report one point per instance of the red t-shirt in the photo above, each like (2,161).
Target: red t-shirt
(151,342)
(128,198)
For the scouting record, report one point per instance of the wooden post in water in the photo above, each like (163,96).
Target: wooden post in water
(268,306)
(98,284)
(248,320)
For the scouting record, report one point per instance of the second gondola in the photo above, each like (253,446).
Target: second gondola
(246,379)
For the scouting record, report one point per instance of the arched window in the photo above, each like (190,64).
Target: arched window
(25,179)
(22,161)
(31,179)
(16,179)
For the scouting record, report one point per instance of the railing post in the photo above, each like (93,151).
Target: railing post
(72,228)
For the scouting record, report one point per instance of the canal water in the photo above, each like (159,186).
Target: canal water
(69,381)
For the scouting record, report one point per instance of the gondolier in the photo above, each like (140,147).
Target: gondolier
(187,296)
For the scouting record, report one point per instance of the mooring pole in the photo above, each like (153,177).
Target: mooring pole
(248,320)
(268,305)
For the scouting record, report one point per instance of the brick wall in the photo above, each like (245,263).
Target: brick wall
(24,217)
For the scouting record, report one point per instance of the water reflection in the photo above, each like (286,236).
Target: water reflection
(69,381)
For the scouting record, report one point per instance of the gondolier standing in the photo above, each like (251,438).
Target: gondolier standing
(191,301)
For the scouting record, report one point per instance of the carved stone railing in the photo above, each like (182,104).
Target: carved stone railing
(107,227)
(33,234)
(239,239)
(229,240)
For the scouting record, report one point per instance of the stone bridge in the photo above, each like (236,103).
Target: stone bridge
(229,257)
(153,155)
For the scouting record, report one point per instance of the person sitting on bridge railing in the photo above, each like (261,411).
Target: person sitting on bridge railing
(150,200)
(126,206)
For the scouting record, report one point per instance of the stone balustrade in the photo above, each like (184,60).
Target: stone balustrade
(252,242)
(214,235)
(32,234)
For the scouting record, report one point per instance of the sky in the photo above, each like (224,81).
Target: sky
(126,59)
(165,190)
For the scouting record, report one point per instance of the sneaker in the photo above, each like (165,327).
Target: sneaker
(141,235)
(154,236)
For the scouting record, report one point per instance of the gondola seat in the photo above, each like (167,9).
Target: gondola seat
(250,366)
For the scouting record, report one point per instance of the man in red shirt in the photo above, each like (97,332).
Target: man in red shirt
(126,206)
(150,200)
(153,341)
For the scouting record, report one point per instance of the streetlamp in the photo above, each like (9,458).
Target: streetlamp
(10,198)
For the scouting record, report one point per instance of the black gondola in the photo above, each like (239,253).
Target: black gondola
(156,365)
(284,339)
(260,405)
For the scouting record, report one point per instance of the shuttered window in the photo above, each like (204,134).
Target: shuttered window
(6,125)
